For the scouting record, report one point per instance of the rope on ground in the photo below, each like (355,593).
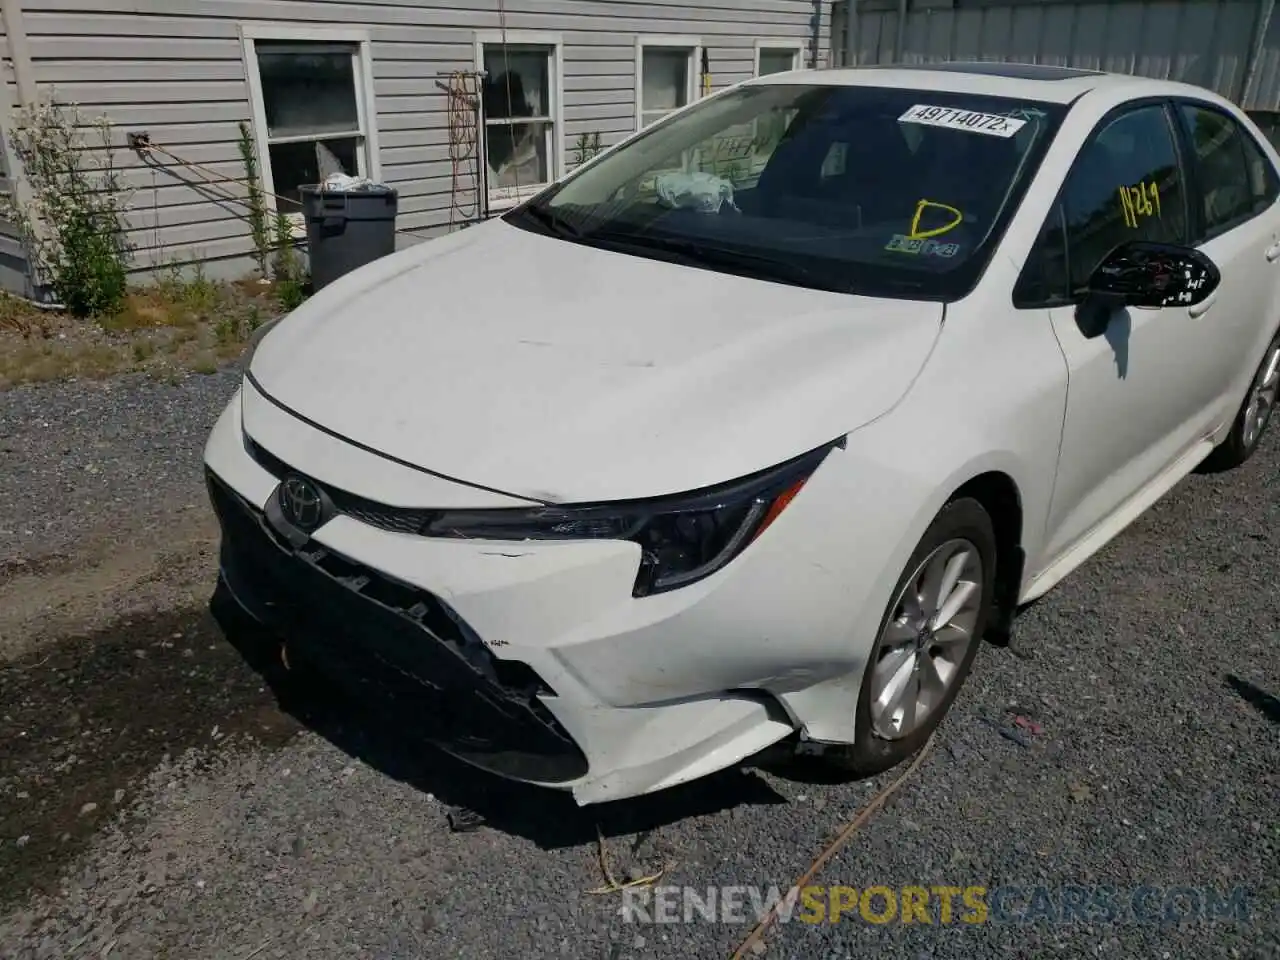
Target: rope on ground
(843,837)
(612,884)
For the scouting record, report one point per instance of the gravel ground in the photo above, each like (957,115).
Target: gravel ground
(87,457)
(102,506)
(157,799)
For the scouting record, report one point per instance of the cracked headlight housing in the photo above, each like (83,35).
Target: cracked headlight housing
(683,538)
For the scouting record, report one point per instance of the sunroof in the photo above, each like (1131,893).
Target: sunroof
(1014,71)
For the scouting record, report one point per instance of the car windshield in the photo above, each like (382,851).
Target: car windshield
(858,189)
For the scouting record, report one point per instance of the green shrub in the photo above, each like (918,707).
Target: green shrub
(74,222)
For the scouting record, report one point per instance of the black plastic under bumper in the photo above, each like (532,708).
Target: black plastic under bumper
(370,632)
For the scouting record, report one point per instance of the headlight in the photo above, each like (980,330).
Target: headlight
(683,538)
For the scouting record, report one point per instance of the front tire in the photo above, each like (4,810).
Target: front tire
(1252,418)
(927,641)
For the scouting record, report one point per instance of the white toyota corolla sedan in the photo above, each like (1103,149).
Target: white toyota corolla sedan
(755,425)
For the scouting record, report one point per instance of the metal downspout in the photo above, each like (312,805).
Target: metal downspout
(15,29)
(24,78)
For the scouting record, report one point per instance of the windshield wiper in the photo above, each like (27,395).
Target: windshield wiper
(550,221)
(698,253)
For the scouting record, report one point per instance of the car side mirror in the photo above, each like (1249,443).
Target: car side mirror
(1142,273)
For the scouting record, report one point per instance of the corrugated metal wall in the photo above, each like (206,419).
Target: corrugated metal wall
(1206,42)
(1264,92)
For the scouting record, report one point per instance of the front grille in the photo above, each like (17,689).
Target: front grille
(369,630)
(395,519)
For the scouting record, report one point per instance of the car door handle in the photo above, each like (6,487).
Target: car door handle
(1200,309)
(1273,253)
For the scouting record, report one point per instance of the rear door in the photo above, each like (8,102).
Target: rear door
(1236,221)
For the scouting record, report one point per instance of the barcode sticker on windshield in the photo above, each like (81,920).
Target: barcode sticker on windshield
(992,124)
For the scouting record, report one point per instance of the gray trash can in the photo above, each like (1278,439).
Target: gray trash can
(347,229)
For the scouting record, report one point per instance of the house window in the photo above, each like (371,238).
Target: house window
(772,56)
(666,76)
(778,57)
(522,114)
(312,100)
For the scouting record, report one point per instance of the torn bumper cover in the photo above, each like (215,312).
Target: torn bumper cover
(533,660)
(370,633)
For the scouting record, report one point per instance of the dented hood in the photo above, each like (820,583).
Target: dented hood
(558,372)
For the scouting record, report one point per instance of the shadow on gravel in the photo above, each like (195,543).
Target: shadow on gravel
(1263,702)
(85,718)
(401,749)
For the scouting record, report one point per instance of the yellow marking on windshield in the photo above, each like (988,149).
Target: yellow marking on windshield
(918,234)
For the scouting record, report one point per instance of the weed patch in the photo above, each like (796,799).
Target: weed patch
(184,322)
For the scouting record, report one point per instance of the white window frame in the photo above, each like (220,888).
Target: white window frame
(692,44)
(368,159)
(797,48)
(504,198)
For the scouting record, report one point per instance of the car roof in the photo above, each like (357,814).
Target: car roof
(1028,81)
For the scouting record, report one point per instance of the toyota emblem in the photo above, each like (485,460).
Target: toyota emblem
(301,503)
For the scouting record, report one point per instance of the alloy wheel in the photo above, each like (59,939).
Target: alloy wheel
(1262,397)
(921,650)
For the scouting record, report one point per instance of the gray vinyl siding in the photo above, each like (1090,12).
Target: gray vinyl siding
(174,68)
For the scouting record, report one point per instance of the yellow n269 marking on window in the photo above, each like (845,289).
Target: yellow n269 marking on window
(1139,202)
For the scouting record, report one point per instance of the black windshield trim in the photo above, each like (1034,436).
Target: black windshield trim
(720,259)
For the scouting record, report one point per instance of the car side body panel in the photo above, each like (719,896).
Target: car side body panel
(1097,489)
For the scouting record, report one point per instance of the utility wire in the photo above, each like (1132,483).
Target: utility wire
(215,180)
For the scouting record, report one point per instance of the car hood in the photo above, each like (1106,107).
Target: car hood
(558,372)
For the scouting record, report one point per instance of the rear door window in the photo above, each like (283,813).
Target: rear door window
(1222,168)
(1264,185)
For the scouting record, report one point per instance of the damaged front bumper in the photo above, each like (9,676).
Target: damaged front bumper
(531,660)
(380,637)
